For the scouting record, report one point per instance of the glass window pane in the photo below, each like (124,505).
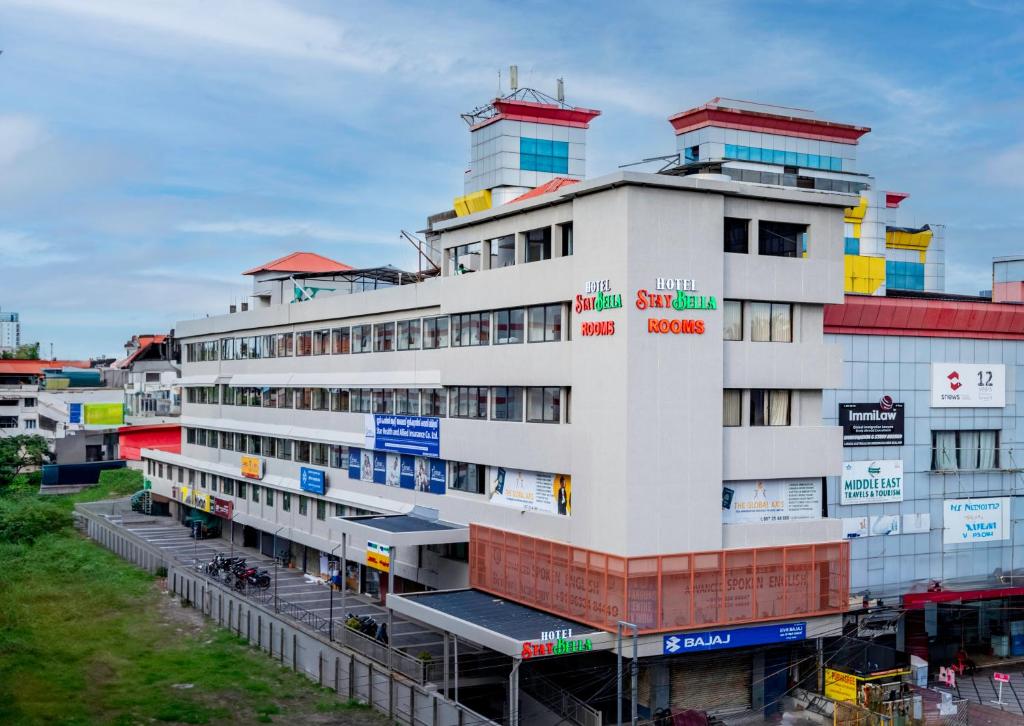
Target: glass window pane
(760,322)
(733,320)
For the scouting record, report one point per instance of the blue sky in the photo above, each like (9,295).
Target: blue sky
(152,151)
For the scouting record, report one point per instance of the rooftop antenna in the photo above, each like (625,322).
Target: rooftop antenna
(513,78)
(560,90)
(499,83)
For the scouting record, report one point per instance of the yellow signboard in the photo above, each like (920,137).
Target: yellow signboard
(103,414)
(378,556)
(252,467)
(185,495)
(840,686)
(202,501)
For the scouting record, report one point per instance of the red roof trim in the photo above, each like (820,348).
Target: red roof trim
(894,199)
(301,262)
(148,427)
(552,186)
(697,118)
(36,367)
(544,113)
(924,318)
(917,600)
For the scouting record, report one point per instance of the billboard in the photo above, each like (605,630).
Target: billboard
(771,500)
(378,556)
(975,520)
(868,482)
(968,385)
(398,470)
(312,480)
(737,638)
(403,434)
(530,490)
(872,424)
(252,467)
(103,414)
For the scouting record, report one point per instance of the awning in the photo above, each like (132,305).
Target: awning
(501,625)
(209,379)
(917,600)
(418,527)
(260,379)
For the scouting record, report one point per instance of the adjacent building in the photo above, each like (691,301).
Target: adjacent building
(10,331)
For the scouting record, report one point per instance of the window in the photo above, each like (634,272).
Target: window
(286,502)
(732,320)
(241,490)
(508,326)
(304,398)
(303,506)
(302,452)
(435,403)
(503,251)
(227,348)
(228,485)
(227,395)
(339,399)
(340,341)
(408,334)
(538,244)
(255,493)
(319,399)
(545,323)
(383,400)
(771,322)
(268,496)
(769,407)
(507,403)
(965,450)
(407,401)
(339,456)
(471,329)
(732,415)
(435,332)
(468,401)
(361,337)
(321,342)
(543,155)
(321,509)
(30,423)
(283,449)
(782,239)
(304,343)
(736,235)
(467,477)
(566,230)
(543,404)
(284,343)
(383,337)
(464,258)
(362,400)
(319,454)
(339,510)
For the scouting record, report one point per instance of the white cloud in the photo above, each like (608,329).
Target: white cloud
(18,249)
(19,135)
(1004,168)
(288,228)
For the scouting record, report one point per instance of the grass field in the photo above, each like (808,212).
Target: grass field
(86,638)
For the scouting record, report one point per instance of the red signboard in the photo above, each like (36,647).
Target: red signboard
(223,507)
(1001,677)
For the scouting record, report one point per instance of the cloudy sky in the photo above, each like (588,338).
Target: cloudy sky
(152,151)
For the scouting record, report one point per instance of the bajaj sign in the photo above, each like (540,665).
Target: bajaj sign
(872,424)
(867,482)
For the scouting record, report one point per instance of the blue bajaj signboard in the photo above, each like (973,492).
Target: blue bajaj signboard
(312,480)
(738,638)
(418,435)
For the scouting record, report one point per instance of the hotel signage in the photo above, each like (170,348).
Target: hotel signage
(597,296)
(738,638)
(679,294)
(872,424)
(561,646)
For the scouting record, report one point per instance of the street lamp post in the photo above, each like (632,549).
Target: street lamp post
(330,624)
(275,567)
(634,672)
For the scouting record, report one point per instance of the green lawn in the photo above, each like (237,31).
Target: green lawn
(86,638)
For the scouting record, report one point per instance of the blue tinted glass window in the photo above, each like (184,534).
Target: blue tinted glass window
(743,153)
(814,161)
(560,164)
(527,145)
(543,155)
(755,153)
(544,147)
(791,158)
(835,163)
(560,148)
(779,157)
(801,159)
(730,151)
(852,246)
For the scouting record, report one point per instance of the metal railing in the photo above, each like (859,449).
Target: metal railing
(316,622)
(561,701)
(372,648)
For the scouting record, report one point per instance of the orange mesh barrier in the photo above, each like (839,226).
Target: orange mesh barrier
(664,592)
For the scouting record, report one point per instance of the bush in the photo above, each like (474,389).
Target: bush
(121,481)
(161,572)
(25,519)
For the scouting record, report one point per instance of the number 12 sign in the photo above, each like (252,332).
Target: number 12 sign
(968,385)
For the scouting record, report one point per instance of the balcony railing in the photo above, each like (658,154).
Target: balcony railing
(665,592)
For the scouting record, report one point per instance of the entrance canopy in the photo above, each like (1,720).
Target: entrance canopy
(414,529)
(501,625)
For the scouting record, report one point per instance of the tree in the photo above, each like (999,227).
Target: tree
(20,452)
(28,351)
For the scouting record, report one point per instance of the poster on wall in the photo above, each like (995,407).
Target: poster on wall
(975,520)
(103,414)
(968,385)
(380,467)
(355,466)
(393,476)
(884,525)
(869,482)
(855,527)
(531,490)
(918,523)
(872,424)
(403,434)
(771,500)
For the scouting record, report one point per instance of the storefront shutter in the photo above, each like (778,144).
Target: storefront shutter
(717,683)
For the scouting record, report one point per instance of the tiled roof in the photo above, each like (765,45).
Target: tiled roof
(35,367)
(301,262)
(552,186)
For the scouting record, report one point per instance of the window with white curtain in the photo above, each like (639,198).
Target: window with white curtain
(771,322)
(965,450)
(732,414)
(733,320)
(769,407)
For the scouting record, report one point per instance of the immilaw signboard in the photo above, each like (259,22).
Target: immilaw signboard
(872,424)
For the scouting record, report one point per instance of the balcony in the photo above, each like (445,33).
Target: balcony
(665,592)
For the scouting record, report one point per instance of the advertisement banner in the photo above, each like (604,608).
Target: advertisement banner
(74,413)
(872,424)
(354,463)
(868,482)
(407,478)
(530,490)
(252,467)
(968,385)
(738,638)
(223,507)
(975,520)
(840,686)
(103,414)
(438,482)
(920,523)
(854,527)
(884,525)
(378,556)
(771,500)
(366,465)
(393,475)
(312,480)
(404,434)
(380,467)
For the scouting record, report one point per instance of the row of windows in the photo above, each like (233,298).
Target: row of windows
(535,324)
(767,407)
(774,239)
(541,404)
(769,322)
(965,450)
(501,251)
(791,179)
(786,158)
